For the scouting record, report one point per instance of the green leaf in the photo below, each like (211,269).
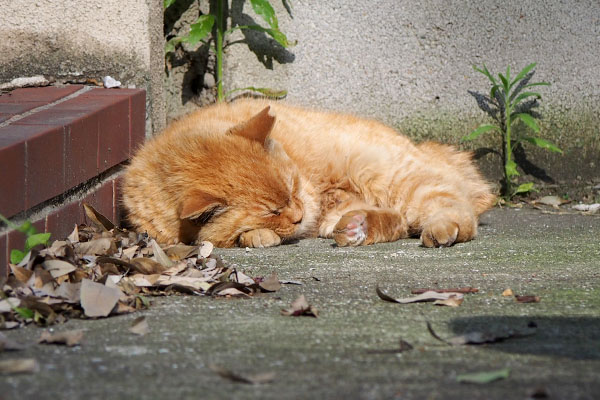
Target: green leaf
(484,377)
(275,94)
(542,143)
(493,91)
(265,10)
(168,3)
(524,188)
(511,169)
(200,29)
(170,45)
(16,256)
(27,228)
(34,240)
(522,74)
(527,119)
(24,312)
(525,95)
(485,72)
(504,83)
(274,33)
(478,131)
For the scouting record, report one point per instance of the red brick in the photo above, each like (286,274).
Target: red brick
(12,177)
(113,135)
(53,116)
(62,221)
(16,239)
(3,256)
(19,108)
(45,166)
(81,151)
(102,199)
(137,118)
(43,94)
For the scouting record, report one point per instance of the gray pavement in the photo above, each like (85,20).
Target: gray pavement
(556,257)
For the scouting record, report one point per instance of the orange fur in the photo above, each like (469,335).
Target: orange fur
(255,173)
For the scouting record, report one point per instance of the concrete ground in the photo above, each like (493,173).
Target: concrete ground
(556,257)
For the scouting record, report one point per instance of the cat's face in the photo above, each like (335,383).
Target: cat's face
(254,185)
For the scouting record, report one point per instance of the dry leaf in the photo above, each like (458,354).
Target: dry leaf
(22,274)
(58,267)
(427,296)
(300,307)
(69,292)
(230,292)
(527,299)
(477,337)
(70,338)
(139,326)
(18,366)
(206,249)
(270,284)
(99,220)
(98,300)
(451,301)
(404,346)
(74,236)
(160,255)
(195,284)
(181,251)
(8,304)
(463,290)
(147,266)
(254,379)
(508,292)
(99,247)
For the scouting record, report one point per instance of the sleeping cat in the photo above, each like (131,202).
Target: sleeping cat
(258,173)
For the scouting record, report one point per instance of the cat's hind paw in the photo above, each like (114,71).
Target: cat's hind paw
(259,238)
(351,229)
(439,234)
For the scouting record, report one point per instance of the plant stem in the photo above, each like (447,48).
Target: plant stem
(219,49)
(508,144)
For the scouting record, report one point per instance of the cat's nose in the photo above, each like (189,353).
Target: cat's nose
(297,216)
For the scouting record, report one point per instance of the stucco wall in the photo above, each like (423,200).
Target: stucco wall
(71,41)
(409,63)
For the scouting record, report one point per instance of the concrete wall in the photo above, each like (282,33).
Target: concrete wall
(409,63)
(72,41)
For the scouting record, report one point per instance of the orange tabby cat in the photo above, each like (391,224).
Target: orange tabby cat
(256,173)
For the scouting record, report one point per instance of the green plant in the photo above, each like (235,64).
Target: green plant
(204,26)
(32,239)
(509,96)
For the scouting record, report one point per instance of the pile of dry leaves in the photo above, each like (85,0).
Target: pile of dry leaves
(102,270)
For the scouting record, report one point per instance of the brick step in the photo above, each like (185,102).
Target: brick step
(55,140)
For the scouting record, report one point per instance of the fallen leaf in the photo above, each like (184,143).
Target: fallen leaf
(98,300)
(148,266)
(69,292)
(99,220)
(553,201)
(484,377)
(292,282)
(196,284)
(477,337)
(427,296)
(206,249)
(527,299)
(100,247)
(270,283)
(463,290)
(74,236)
(58,267)
(22,274)
(589,208)
(255,379)
(9,304)
(451,301)
(508,292)
(18,366)
(300,307)
(139,326)
(230,292)
(181,251)
(161,256)
(70,338)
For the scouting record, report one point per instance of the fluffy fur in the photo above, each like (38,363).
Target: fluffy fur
(256,173)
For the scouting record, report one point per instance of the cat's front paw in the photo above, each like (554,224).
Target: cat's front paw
(445,229)
(259,238)
(351,229)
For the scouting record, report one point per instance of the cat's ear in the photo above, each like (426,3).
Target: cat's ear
(256,128)
(275,148)
(200,206)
